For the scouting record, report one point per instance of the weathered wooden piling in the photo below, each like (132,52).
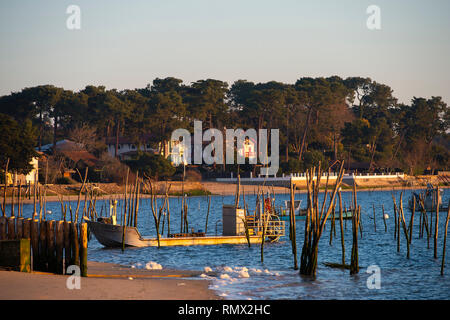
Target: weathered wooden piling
(4,189)
(34,233)
(402,215)
(395,218)
(3,228)
(67,244)
(51,254)
(354,260)
(43,258)
(293,227)
(19,228)
(11,228)
(27,228)
(341,224)
(207,213)
(75,248)
(59,247)
(445,240)
(436,224)
(12,201)
(411,223)
(316,219)
(384,218)
(83,249)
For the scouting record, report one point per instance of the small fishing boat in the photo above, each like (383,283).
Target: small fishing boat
(110,234)
(429,197)
(297,203)
(300,214)
(284,215)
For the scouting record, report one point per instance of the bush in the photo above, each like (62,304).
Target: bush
(312,158)
(114,170)
(292,166)
(152,165)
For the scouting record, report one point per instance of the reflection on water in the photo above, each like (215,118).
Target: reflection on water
(416,278)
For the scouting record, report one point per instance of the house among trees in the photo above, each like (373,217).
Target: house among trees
(68,155)
(127,148)
(29,178)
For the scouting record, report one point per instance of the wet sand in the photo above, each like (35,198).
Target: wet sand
(107,281)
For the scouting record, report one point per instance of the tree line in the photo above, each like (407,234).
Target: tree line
(320,119)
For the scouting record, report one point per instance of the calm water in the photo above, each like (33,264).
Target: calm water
(401,278)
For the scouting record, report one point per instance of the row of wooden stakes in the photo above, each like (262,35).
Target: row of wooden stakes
(55,245)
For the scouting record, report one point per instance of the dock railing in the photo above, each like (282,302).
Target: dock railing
(274,226)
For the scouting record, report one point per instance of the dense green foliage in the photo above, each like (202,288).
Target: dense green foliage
(320,119)
(152,165)
(16,144)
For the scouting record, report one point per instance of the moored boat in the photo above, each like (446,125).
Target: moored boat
(110,234)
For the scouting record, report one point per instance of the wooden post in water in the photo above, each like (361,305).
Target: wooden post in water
(436,223)
(75,249)
(316,219)
(12,200)
(11,228)
(354,261)
(207,214)
(445,240)
(411,223)
(4,189)
(124,213)
(67,245)
(59,239)
(34,195)
(263,234)
(42,265)
(19,196)
(397,222)
(402,215)
(51,253)
(34,235)
(168,215)
(26,229)
(293,227)
(384,218)
(83,249)
(19,228)
(3,223)
(341,224)
(395,218)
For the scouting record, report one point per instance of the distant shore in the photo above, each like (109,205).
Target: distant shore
(225,189)
(107,281)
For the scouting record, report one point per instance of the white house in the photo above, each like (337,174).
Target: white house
(126,148)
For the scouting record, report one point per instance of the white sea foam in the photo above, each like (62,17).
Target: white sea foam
(255,270)
(243,274)
(151,265)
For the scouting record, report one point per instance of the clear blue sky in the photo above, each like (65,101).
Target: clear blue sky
(126,44)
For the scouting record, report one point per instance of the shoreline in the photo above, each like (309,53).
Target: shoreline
(226,189)
(108,281)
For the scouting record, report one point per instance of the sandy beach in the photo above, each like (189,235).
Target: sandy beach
(107,281)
